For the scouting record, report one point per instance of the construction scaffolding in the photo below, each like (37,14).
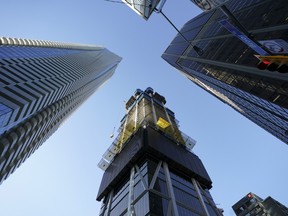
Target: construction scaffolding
(143,109)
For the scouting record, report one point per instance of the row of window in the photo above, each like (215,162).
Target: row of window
(9,52)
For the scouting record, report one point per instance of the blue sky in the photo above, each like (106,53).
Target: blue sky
(62,177)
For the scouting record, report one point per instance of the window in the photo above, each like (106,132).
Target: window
(5,114)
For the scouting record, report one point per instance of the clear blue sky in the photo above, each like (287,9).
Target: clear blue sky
(62,177)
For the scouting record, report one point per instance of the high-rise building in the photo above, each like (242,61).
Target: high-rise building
(227,67)
(253,205)
(41,84)
(150,168)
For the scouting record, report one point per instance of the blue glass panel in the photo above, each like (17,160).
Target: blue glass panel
(141,207)
(185,212)
(158,205)
(5,114)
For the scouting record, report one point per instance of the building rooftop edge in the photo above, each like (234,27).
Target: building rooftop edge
(9,41)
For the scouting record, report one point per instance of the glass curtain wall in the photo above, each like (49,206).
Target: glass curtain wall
(147,191)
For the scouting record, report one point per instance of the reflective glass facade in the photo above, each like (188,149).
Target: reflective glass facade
(227,69)
(150,168)
(41,84)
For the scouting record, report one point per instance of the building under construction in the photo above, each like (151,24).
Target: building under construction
(149,168)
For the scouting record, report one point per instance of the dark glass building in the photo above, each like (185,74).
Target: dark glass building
(41,84)
(228,69)
(150,169)
(252,205)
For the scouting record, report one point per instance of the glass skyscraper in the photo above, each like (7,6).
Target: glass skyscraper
(228,69)
(41,84)
(150,168)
